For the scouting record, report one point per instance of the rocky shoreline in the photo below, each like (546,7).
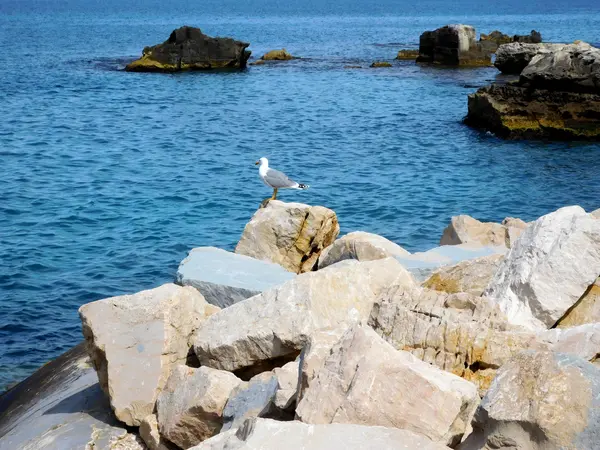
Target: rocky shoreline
(301,339)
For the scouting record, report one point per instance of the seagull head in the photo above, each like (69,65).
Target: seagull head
(262,161)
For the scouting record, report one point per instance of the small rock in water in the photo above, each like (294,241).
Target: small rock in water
(277,55)
(381,64)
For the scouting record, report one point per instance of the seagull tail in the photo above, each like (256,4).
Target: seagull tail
(303,186)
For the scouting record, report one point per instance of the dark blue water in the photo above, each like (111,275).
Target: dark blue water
(108,178)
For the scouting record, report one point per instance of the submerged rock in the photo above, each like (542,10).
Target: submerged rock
(377,64)
(548,270)
(409,55)
(189,49)
(277,55)
(225,278)
(61,406)
(136,340)
(290,234)
(452,45)
(366,381)
(557,97)
(266,434)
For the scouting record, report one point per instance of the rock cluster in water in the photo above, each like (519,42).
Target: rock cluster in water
(452,45)
(189,49)
(557,95)
(301,340)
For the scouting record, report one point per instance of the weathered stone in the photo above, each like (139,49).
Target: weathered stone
(265,434)
(277,55)
(61,406)
(582,341)
(290,234)
(361,246)
(151,436)
(135,340)
(422,264)
(586,310)
(287,380)
(471,276)
(190,408)
(189,49)
(452,45)
(225,278)
(277,323)
(461,333)
(542,400)
(366,381)
(465,229)
(408,55)
(596,213)
(512,58)
(535,37)
(497,37)
(548,269)
(377,64)
(514,229)
(126,441)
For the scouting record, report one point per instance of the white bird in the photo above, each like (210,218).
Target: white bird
(276,179)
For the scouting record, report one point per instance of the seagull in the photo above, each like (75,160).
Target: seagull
(276,179)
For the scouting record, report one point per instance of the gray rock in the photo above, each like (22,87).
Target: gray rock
(265,434)
(225,278)
(59,407)
(512,58)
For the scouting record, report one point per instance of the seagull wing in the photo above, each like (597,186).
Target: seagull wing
(277,179)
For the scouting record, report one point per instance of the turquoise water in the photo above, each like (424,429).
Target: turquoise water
(108,178)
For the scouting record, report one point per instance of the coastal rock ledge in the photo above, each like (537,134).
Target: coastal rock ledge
(189,49)
(557,97)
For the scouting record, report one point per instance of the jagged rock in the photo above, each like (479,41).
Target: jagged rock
(135,341)
(452,45)
(361,246)
(471,276)
(422,264)
(277,55)
(290,234)
(377,64)
(461,333)
(548,269)
(366,381)
(275,325)
(225,278)
(535,37)
(265,434)
(151,436)
(465,229)
(512,58)
(497,37)
(190,408)
(586,310)
(541,400)
(189,49)
(409,55)
(61,406)
(557,97)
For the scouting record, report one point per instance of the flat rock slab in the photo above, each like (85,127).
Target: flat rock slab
(61,406)
(266,434)
(225,278)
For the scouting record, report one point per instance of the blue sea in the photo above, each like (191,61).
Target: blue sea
(108,178)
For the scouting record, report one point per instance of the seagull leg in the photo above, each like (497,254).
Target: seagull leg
(274,194)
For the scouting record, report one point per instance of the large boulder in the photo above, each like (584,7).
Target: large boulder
(266,434)
(452,45)
(464,334)
(189,49)
(557,97)
(471,276)
(512,58)
(225,278)
(586,310)
(361,246)
(549,268)
(541,400)
(366,381)
(290,234)
(582,341)
(465,229)
(275,325)
(136,340)
(61,406)
(190,408)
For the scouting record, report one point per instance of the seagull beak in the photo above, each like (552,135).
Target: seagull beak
(257,163)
